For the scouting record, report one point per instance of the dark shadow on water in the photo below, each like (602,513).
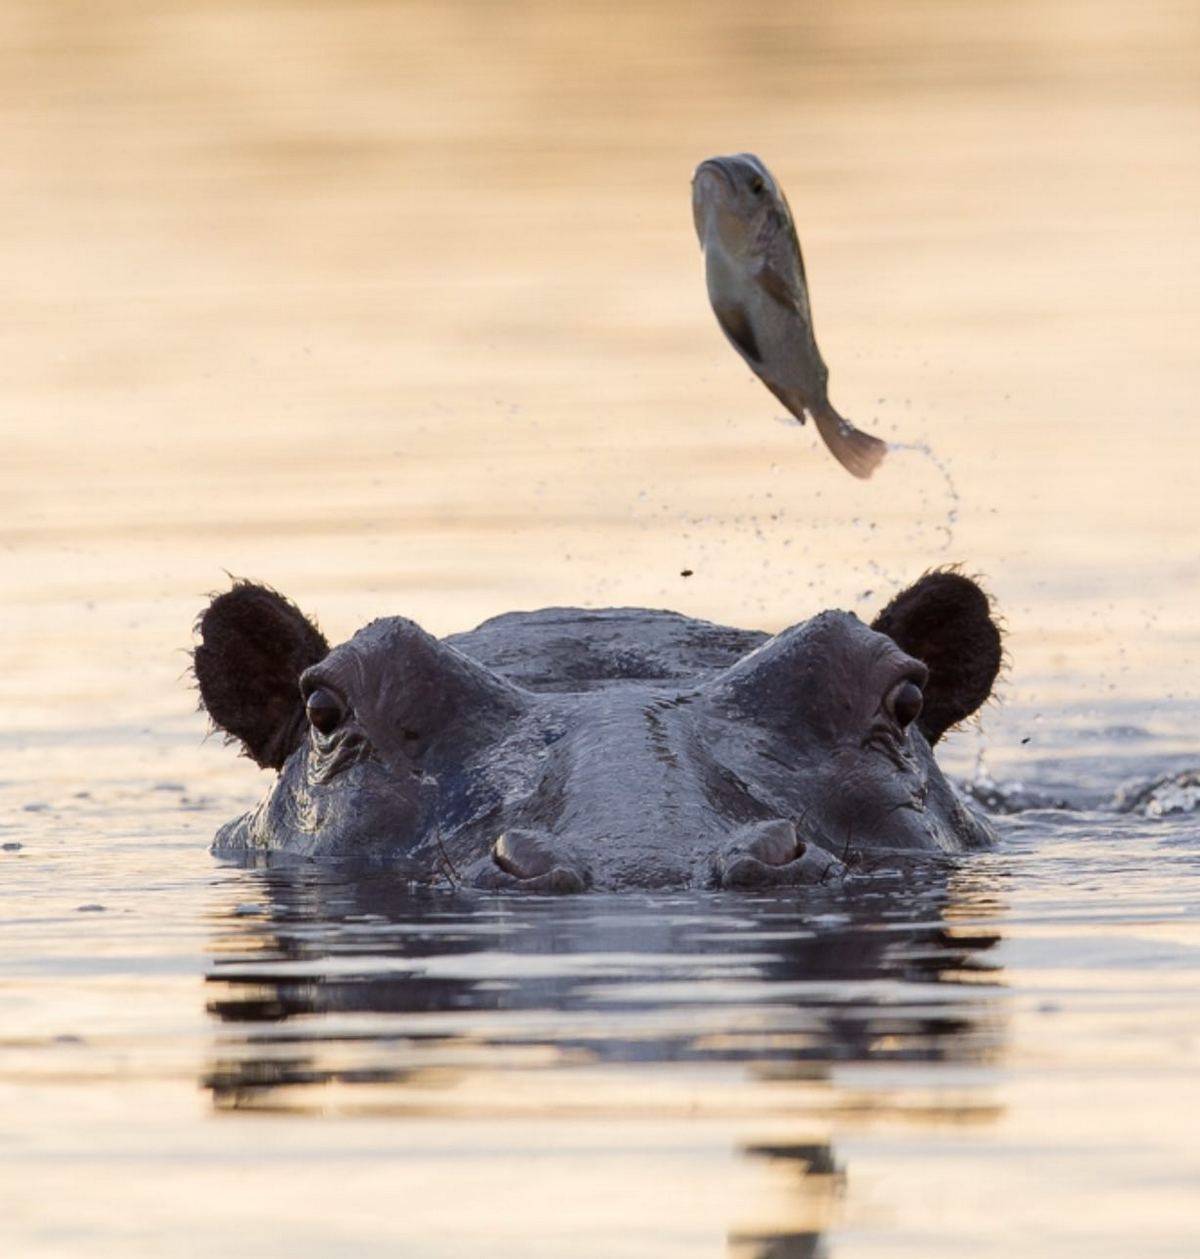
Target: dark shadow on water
(399,1003)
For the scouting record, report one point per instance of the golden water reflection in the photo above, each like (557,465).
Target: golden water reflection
(358,998)
(398,307)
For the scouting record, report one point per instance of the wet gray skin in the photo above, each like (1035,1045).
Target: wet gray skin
(566,749)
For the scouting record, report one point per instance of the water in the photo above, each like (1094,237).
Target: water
(398,307)
(994,1056)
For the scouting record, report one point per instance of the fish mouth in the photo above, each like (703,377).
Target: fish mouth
(721,166)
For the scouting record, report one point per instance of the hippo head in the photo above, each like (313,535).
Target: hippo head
(565,749)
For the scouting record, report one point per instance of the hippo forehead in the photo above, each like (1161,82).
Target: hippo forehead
(576,649)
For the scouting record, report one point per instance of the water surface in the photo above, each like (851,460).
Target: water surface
(398,307)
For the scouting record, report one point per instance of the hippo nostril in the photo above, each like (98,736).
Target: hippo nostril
(769,854)
(906,702)
(531,860)
(523,854)
(774,843)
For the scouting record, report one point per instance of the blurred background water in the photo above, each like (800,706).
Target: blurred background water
(398,307)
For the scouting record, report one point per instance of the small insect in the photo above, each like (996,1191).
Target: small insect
(756,284)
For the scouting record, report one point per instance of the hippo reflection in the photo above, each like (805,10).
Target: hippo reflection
(906,974)
(566,749)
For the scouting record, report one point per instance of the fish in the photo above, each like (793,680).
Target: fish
(754,271)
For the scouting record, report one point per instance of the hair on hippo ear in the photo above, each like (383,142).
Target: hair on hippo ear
(945,620)
(254,645)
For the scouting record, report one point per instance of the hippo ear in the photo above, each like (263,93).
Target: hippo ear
(945,621)
(253,647)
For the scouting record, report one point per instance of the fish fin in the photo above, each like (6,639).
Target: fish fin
(858,452)
(794,404)
(736,325)
(779,288)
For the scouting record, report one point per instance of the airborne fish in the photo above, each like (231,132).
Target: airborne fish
(756,285)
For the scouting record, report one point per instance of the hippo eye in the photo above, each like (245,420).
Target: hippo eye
(324,711)
(904,702)
(757,185)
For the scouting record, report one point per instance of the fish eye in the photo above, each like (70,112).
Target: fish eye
(325,712)
(904,702)
(757,185)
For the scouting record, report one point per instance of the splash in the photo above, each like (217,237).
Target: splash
(952,499)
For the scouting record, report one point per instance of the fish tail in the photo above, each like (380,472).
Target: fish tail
(858,452)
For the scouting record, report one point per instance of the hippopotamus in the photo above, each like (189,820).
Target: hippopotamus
(570,749)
